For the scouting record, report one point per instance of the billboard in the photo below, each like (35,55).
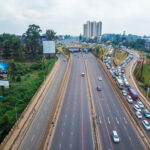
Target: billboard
(49,47)
(3,71)
(4,74)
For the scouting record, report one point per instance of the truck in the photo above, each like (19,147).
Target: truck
(132,93)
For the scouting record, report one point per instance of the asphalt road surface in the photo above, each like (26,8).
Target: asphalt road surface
(39,123)
(73,129)
(110,113)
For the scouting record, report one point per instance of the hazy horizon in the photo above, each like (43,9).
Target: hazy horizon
(68,16)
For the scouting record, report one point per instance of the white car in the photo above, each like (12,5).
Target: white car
(124,92)
(140,104)
(137,108)
(138,114)
(100,78)
(129,99)
(115,136)
(146,124)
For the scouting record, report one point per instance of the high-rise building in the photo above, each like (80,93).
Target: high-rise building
(85,30)
(92,30)
(88,29)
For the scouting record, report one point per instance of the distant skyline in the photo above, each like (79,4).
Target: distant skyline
(68,16)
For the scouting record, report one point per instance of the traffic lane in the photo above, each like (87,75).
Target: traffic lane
(110,98)
(105,125)
(121,115)
(75,136)
(64,125)
(35,131)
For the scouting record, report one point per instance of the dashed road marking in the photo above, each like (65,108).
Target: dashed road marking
(70,145)
(108,120)
(60,146)
(125,120)
(72,123)
(73,115)
(100,120)
(32,138)
(65,116)
(117,120)
(72,133)
(64,123)
(62,133)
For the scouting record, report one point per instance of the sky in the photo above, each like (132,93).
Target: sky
(68,16)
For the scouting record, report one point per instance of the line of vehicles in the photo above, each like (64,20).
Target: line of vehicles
(131,96)
(129,93)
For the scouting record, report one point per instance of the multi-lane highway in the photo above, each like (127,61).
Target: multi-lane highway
(110,113)
(73,130)
(38,125)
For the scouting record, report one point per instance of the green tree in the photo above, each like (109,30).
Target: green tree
(16,44)
(12,69)
(50,35)
(32,39)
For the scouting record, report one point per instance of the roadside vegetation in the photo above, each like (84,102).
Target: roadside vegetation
(119,56)
(100,52)
(27,69)
(142,75)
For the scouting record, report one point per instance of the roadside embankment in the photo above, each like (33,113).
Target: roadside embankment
(19,130)
(54,115)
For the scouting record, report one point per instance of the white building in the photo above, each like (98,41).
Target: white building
(92,30)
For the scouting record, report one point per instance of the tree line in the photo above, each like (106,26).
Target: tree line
(30,47)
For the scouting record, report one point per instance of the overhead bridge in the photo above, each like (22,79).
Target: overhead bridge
(78,47)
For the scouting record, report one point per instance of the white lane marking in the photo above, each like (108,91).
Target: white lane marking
(125,120)
(73,115)
(37,126)
(100,120)
(70,145)
(32,138)
(60,146)
(72,133)
(72,123)
(117,120)
(64,123)
(108,120)
(65,116)
(62,133)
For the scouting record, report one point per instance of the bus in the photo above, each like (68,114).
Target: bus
(119,83)
(133,94)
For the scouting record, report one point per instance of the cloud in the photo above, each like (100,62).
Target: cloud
(68,16)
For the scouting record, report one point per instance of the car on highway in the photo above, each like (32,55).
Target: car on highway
(100,78)
(124,92)
(146,113)
(82,74)
(115,136)
(98,88)
(129,99)
(137,108)
(140,104)
(146,124)
(138,114)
